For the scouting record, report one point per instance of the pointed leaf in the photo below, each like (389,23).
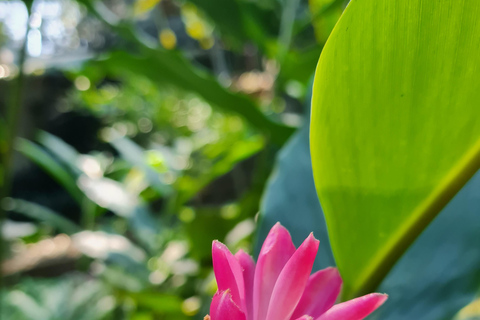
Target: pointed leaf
(395,126)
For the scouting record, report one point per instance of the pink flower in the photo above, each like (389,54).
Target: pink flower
(280,286)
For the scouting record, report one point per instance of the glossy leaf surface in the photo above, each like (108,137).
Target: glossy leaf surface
(395,126)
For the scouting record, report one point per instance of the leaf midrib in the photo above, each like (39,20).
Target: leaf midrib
(421,217)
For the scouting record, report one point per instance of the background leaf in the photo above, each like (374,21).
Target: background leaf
(76,297)
(240,23)
(169,68)
(43,159)
(44,214)
(222,164)
(395,127)
(440,273)
(63,151)
(158,302)
(135,155)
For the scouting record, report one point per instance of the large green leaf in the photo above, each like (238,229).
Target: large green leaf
(395,126)
(435,278)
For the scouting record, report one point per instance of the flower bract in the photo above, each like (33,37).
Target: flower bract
(280,285)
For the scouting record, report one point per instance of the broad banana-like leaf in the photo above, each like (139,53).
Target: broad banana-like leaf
(395,129)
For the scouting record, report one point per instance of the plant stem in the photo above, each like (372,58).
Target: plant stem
(286,27)
(13,113)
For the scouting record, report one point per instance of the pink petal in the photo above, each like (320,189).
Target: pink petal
(276,251)
(228,273)
(356,309)
(248,266)
(320,293)
(292,281)
(304,318)
(223,307)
